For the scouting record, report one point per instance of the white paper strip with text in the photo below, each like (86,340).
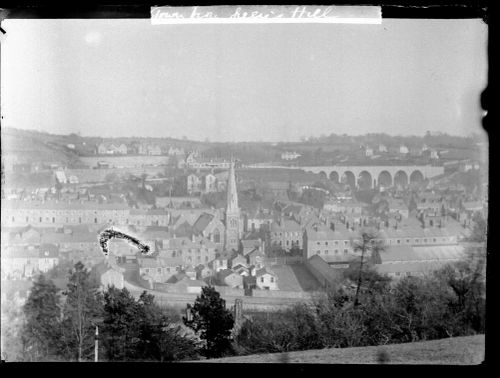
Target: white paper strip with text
(266,14)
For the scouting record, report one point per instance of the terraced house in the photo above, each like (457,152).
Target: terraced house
(192,251)
(59,213)
(333,243)
(286,233)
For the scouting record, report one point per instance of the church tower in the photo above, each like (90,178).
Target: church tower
(232,213)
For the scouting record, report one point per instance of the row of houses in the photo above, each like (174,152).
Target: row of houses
(54,212)
(112,148)
(370,151)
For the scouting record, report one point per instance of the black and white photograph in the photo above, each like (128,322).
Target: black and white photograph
(244,184)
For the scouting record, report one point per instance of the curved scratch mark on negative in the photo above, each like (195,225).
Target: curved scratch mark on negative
(110,233)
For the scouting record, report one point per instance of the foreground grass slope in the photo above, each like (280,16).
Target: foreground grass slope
(453,351)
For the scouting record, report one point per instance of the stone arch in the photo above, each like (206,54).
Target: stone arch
(322,175)
(385,179)
(334,176)
(349,178)
(401,178)
(365,180)
(416,176)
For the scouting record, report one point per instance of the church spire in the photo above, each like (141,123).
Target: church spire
(232,194)
(232,213)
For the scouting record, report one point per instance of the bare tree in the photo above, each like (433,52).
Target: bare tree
(369,242)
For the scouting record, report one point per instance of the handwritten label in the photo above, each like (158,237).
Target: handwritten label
(266,14)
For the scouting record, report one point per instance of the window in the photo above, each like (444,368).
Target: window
(216,236)
(318,243)
(272,279)
(326,251)
(326,243)
(336,242)
(147,270)
(407,241)
(434,240)
(345,242)
(399,241)
(261,279)
(317,252)
(40,219)
(158,270)
(345,251)
(53,220)
(425,240)
(95,220)
(79,220)
(336,251)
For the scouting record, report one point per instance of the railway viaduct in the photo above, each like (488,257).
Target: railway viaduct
(371,176)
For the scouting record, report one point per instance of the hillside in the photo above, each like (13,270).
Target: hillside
(468,350)
(29,146)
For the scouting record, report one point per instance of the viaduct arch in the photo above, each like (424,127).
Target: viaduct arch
(372,176)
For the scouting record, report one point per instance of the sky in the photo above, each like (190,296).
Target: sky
(243,82)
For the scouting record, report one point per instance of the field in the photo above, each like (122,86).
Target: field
(469,350)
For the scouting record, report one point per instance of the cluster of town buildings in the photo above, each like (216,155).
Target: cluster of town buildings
(135,148)
(403,150)
(230,247)
(186,244)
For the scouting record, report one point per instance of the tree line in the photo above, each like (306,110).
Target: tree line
(364,309)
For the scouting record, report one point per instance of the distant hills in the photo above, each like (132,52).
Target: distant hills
(27,146)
